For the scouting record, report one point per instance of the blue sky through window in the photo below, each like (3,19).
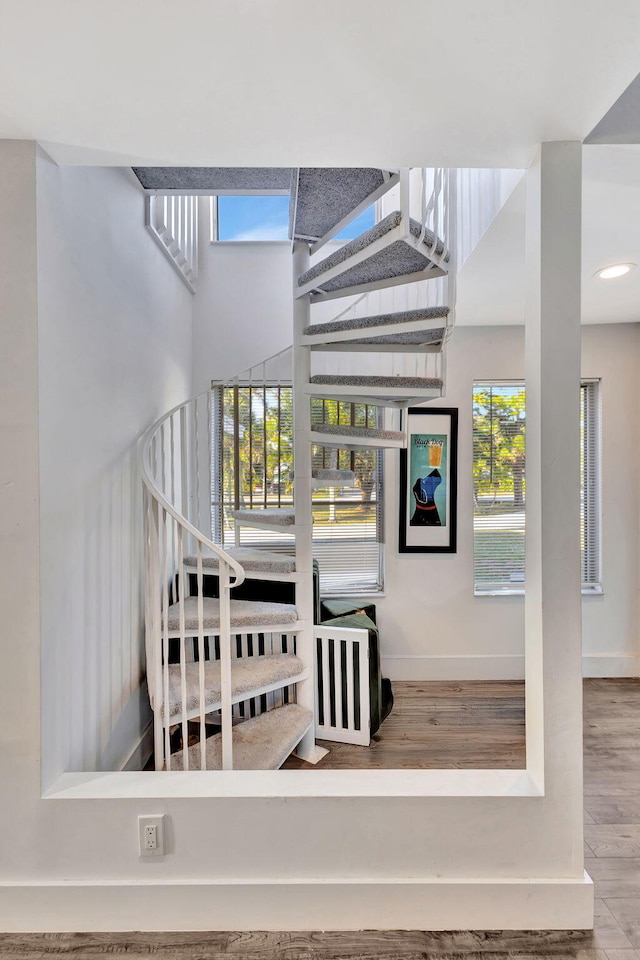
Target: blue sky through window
(253,218)
(366,220)
(267,218)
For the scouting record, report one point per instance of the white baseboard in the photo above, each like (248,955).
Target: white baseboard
(453,668)
(420,904)
(496,667)
(605,665)
(141,753)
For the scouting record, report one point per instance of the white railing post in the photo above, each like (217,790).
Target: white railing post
(201,703)
(225,667)
(173,223)
(166,480)
(302,497)
(405,199)
(452,245)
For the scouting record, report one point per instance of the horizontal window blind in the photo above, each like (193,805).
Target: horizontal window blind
(499,486)
(590,484)
(252,466)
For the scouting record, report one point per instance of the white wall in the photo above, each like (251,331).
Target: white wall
(114,343)
(264,861)
(611,623)
(242,307)
(19,495)
(432,625)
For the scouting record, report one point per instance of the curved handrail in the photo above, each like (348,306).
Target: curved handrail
(158,495)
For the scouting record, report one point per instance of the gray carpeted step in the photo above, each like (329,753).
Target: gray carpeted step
(347,437)
(423,328)
(252,561)
(215,179)
(424,338)
(248,674)
(333,478)
(401,383)
(396,260)
(266,517)
(244,613)
(261,743)
(323,197)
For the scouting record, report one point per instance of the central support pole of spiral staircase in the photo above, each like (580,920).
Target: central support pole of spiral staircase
(307,748)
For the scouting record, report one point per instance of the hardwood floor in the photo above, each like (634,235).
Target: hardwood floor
(440,725)
(612,835)
(612,812)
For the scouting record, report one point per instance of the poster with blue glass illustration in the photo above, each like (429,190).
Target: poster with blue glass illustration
(428,482)
(428,466)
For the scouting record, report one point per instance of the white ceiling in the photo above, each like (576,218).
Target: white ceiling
(491,282)
(281,82)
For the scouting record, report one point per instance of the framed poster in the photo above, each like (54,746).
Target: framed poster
(428,481)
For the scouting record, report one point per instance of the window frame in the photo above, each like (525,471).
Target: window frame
(257,538)
(590,492)
(214,221)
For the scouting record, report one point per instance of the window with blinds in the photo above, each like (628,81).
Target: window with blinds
(252,466)
(499,486)
(590,484)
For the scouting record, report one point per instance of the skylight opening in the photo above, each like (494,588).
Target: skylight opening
(249,218)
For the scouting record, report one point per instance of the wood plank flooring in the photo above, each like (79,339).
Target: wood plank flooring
(612,812)
(612,834)
(440,725)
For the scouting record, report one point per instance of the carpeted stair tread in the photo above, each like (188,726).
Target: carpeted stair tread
(326,195)
(261,743)
(337,429)
(253,561)
(278,516)
(214,178)
(396,260)
(244,613)
(410,383)
(379,320)
(247,674)
(346,477)
(421,337)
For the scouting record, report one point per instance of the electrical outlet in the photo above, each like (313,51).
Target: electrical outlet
(151,836)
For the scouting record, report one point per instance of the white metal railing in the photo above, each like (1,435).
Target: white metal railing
(273,373)
(173,223)
(429,196)
(173,452)
(343,710)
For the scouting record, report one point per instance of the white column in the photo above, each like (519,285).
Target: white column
(306,690)
(553,601)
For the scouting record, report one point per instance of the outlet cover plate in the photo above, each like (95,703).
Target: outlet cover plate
(158,823)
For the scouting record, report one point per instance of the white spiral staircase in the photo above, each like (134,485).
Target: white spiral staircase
(209,657)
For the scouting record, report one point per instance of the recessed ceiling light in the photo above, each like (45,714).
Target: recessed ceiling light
(615,270)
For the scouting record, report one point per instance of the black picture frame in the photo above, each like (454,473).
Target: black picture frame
(428,504)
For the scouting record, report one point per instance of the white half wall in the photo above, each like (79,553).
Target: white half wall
(114,344)
(499,860)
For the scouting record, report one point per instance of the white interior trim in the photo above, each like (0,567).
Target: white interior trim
(294,783)
(497,666)
(457,667)
(299,904)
